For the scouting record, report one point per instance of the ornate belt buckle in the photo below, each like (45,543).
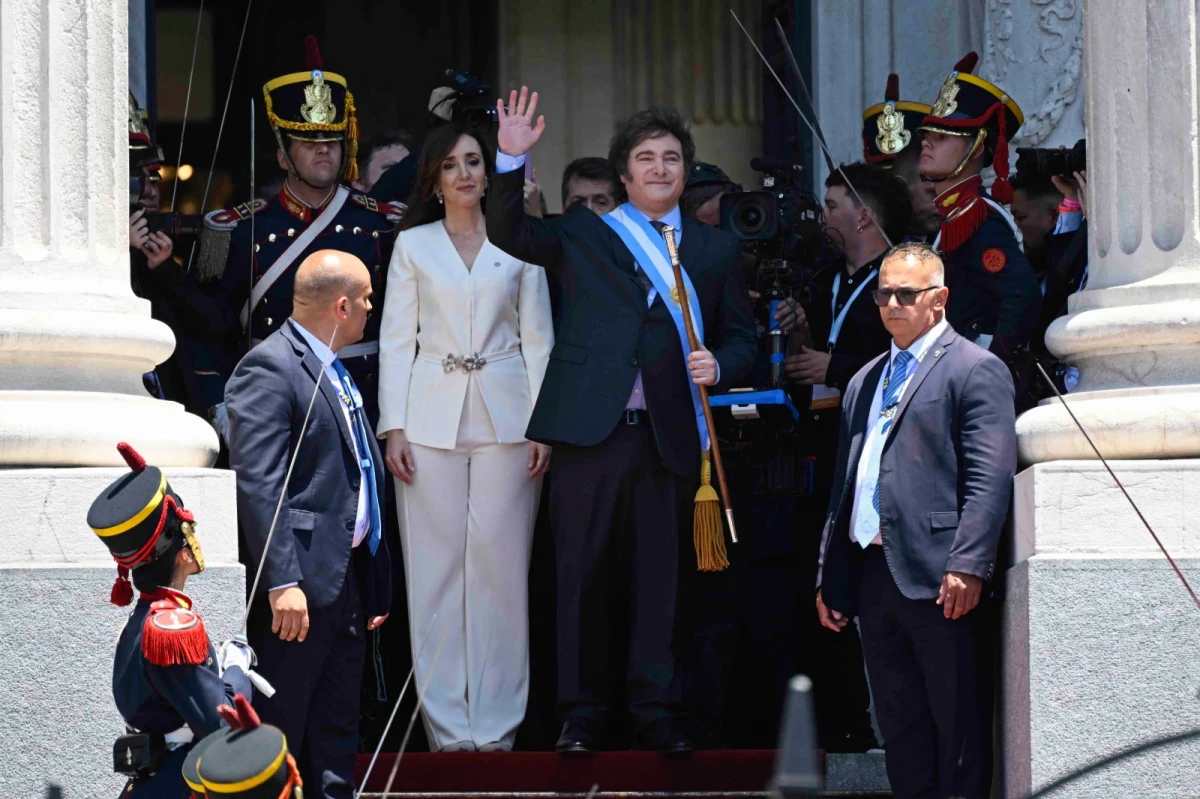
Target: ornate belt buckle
(468,363)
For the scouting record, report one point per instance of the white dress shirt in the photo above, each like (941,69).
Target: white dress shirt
(874,437)
(362,520)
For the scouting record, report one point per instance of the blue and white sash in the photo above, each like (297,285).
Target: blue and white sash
(649,249)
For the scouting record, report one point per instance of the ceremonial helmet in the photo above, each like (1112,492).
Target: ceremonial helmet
(246,759)
(888,127)
(145,157)
(971,106)
(140,519)
(314,106)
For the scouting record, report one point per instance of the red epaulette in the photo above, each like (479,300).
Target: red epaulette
(174,635)
(228,219)
(393,211)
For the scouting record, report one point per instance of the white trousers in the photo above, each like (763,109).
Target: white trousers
(466,524)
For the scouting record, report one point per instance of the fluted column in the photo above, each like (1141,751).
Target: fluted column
(74,340)
(1134,333)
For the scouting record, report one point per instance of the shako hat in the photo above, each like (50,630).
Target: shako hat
(314,105)
(247,759)
(971,106)
(140,519)
(145,156)
(888,127)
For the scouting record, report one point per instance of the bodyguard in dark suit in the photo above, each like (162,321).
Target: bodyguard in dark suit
(326,575)
(618,407)
(926,457)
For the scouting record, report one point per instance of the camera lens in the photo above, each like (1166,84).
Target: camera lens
(751,218)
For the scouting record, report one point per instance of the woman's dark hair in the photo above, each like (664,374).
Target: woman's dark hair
(423,205)
(886,194)
(650,124)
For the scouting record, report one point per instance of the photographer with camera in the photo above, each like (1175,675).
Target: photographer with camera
(175,298)
(1056,242)
(841,332)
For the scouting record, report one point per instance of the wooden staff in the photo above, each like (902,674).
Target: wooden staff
(681,290)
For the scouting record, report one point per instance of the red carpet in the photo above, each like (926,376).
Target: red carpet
(715,773)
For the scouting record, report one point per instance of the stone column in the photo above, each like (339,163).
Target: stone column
(74,342)
(1134,333)
(1100,637)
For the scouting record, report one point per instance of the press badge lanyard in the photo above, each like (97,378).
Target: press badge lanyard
(840,318)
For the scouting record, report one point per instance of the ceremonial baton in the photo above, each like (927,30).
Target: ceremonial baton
(669,234)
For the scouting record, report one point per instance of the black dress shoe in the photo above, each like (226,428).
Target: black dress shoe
(577,738)
(662,737)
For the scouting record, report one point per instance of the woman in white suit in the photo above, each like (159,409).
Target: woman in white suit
(465,339)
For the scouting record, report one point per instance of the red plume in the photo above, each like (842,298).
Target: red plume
(136,462)
(892,94)
(1001,188)
(241,716)
(250,719)
(312,53)
(967,63)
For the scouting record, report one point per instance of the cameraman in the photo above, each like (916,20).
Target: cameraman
(840,332)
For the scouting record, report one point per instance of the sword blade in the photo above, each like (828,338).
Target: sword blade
(1120,485)
(811,126)
(799,76)
(187,102)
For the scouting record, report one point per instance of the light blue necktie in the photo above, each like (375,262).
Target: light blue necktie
(362,443)
(867,523)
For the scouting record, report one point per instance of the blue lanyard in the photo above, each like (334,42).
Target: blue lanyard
(839,319)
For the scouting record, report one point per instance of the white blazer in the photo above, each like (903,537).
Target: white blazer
(435,308)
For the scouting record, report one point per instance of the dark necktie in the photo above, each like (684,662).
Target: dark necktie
(639,273)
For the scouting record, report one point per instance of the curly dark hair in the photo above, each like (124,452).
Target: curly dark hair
(650,124)
(422,203)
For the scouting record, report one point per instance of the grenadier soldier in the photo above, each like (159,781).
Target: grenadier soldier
(995,299)
(891,126)
(246,759)
(892,140)
(312,115)
(167,678)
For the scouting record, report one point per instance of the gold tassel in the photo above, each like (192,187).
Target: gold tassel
(351,139)
(708,532)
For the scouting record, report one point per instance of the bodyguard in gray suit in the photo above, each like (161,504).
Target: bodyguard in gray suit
(926,458)
(326,575)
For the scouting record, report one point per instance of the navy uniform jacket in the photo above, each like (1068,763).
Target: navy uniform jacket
(993,289)
(363,227)
(164,698)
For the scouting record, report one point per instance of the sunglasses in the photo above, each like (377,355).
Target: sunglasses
(903,296)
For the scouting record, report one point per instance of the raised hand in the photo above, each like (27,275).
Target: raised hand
(518,133)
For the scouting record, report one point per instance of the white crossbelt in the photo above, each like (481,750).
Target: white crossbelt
(179,737)
(288,256)
(349,351)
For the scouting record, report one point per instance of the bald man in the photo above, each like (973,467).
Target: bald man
(326,574)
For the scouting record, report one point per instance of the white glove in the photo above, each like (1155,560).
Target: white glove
(236,652)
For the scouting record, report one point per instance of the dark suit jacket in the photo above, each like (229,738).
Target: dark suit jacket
(605,332)
(945,475)
(267,397)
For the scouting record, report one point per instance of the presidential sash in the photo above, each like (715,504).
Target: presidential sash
(649,249)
